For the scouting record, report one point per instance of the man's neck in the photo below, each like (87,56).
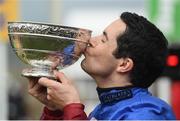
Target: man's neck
(113,81)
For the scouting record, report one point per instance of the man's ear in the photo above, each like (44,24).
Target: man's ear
(125,65)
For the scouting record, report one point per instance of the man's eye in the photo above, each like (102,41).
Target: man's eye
(103,41)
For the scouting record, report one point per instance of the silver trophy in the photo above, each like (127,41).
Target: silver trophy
(47,47)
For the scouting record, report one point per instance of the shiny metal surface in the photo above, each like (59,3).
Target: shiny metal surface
(47,47)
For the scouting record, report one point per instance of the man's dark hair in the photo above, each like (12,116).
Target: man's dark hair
(146,45)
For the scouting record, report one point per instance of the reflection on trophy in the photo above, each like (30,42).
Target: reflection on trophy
(47,47)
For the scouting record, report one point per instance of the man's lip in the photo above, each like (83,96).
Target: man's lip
(85,53)
(90,44)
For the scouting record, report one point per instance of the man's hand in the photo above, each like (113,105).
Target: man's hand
(60,93)
(40,93)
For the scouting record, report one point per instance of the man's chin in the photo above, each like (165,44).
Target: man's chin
(83,66)
(86,69)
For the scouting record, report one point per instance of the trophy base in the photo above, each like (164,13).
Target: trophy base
(36,72)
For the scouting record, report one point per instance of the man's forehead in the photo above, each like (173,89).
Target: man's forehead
(116,27)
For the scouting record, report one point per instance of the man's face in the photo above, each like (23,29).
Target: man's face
(99,59)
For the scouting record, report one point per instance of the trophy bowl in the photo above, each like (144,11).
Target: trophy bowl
(47,47)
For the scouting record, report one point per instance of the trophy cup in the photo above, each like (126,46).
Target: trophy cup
(47,47)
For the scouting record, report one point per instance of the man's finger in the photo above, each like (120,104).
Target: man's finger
(61,77)
(32,82)
(47,82)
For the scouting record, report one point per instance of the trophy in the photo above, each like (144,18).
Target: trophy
(47,47)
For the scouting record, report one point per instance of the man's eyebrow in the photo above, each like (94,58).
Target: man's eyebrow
(105,34)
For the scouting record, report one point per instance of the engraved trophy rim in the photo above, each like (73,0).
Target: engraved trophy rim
(48,24)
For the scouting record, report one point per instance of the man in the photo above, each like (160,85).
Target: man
(124,61)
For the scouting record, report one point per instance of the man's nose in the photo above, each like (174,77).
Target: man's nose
(93,42)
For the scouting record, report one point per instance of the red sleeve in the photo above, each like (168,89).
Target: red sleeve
(74,111)
(51,115)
